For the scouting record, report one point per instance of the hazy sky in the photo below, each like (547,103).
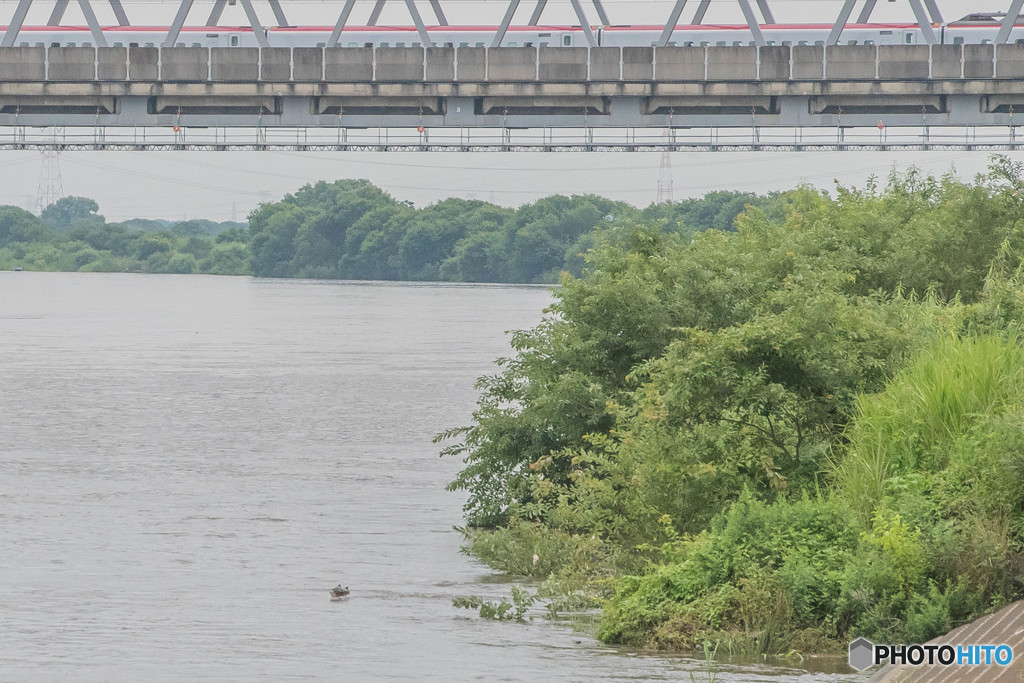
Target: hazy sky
(218,185)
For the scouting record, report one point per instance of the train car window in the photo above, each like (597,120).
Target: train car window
(851,42)
(802,42)
(787,43)
(479,44)
(449,44)
(527,44)
(150,44)
(22,44)
(133,44)
(885,33)
(367,44)
(752,44)
(118,44)
(54,44)
(544,43)
(72,44)
(819,42)
(234,41)
(325,45)
(384,44)
(703,43)
(40,44)
(86,44)
(986,42)
(353,44)
(770,43)
(463,44)
(720,43)
(400,44)
(197,44)
(566,40)
(958,40)
(908,38)
(417,45)
(737,43)
(869,42)
(688,43)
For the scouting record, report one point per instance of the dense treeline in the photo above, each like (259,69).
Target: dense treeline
(71,236)
(353,230)
(778,438)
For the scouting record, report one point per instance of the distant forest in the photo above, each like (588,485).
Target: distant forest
(71,235)
(351,229)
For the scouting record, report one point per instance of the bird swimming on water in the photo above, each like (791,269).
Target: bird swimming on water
(337,593)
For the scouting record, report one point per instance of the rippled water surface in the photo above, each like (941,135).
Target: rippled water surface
(187,463)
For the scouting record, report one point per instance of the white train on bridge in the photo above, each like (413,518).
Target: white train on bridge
(974,29)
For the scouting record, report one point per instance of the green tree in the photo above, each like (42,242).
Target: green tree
(371,244)
(18,225)
(305,232)
(228,258)
(272,237)
(71,212)
(181,263)
(192,228)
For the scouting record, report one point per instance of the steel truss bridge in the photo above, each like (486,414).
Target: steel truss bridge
(431,98)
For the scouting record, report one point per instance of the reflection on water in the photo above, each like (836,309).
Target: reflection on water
(189,463)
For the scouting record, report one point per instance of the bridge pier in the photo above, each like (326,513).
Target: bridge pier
(795,112)
(626,111)
(460,112)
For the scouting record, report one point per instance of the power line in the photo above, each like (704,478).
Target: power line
(161,178)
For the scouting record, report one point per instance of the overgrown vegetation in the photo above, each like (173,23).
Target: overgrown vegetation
(777,438)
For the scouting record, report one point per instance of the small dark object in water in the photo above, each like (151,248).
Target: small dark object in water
(338,593)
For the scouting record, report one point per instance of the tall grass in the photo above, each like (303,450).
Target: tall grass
(911,425)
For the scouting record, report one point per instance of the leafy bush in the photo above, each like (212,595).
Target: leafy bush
(503,610)
(529,549)
(811,426)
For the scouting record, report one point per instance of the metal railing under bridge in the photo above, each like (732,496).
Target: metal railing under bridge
(520,140)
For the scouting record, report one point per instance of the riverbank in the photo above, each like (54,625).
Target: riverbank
(777,439)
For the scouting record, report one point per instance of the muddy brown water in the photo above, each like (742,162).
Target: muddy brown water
(188,463)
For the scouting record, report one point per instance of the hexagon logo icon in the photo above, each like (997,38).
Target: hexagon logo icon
(862,654)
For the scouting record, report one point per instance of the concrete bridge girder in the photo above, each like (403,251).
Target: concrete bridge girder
(977,85)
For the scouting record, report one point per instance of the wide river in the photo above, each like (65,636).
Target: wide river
(188,463)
